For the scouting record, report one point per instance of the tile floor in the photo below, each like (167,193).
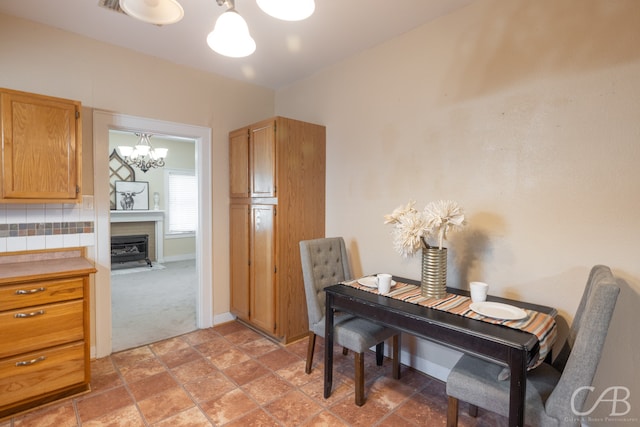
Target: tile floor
(230,375)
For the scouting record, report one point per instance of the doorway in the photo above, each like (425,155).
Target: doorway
(103,123)
(153,269)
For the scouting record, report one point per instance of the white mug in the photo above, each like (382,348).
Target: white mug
(384,283)
(478,291)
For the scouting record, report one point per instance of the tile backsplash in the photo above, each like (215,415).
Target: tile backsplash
(45,226)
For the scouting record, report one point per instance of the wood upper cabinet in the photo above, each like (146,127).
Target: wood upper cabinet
(277,199)
(41,148)
(239,163)
(252,160)
(262,159)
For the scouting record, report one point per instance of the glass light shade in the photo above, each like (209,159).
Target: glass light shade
(159,153)
(230,36)
(125,151)
(142,150)
(288,10)
(159,12)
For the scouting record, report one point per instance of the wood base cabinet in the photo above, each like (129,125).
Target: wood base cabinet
(277,189)
(44,328)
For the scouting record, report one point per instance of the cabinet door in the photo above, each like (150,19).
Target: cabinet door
(240,260)
(40,147)
(239,163)
(263,159)
(262,269)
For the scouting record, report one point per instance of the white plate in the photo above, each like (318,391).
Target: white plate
(498,310)
(370,282)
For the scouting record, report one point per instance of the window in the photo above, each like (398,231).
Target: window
(182,202)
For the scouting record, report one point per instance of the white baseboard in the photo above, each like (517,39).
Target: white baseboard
(183,257)
(425,366)
(223,318)
(425,356)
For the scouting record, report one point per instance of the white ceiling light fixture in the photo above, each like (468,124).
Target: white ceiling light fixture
(288,10)
(230,36)
(159,12)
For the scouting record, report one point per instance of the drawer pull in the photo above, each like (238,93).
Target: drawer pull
(30,291)
(32,314)
(31,362)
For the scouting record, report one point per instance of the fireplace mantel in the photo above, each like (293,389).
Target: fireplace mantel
(137,216)
(145,216)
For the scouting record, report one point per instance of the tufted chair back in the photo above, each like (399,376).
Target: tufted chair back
(324,263)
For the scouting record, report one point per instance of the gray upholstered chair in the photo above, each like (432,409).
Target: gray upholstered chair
(550,389)
(325,263)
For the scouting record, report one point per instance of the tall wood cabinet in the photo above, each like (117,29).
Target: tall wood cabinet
(277,190)
(41,148)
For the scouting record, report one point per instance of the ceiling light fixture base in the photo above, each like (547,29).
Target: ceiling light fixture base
(158,12)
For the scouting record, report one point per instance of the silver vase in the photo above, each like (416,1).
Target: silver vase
(434,272)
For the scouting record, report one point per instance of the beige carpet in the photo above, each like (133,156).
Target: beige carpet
(134,268)
(150,306)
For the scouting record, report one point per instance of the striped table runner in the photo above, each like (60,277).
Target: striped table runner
(541,325)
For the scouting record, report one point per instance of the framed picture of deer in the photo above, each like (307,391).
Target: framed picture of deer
(132,196)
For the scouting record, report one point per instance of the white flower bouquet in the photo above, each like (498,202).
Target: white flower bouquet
(412,228)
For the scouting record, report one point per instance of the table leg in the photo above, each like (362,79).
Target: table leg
(518,391)
(328,346)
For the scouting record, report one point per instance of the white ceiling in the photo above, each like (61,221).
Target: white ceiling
(285,53)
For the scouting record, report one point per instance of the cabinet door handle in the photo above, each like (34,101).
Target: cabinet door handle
(33,313)
(31,362)
(30,291)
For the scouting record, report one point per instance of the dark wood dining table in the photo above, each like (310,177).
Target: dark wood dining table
(507,346)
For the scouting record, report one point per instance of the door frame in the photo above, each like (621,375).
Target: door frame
(103,122)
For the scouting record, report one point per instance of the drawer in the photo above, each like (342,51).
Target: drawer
(36,373)
(41,292)
(41,326)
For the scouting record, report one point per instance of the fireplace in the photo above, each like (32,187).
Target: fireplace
(125,222)
(130,248)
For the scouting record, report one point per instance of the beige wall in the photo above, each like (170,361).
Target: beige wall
(525,112)
(44,60)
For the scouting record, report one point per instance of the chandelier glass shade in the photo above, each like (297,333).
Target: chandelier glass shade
(143,155)
(288,10)
(230,36)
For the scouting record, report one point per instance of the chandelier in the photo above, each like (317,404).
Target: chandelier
(230,36)
(143,155)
